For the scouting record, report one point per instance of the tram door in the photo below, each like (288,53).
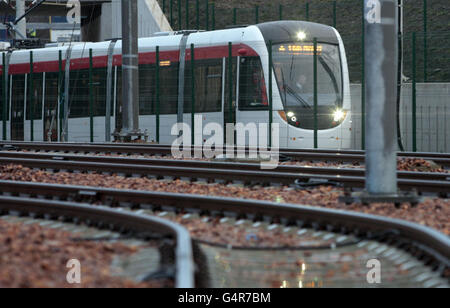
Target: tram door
(17,107)
(51,107)
(229,104)
(253,102)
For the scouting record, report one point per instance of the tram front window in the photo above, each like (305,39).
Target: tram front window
(294,70)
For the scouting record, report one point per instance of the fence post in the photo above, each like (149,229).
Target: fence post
(91,98)
(270,94)
(307,11)
(171,13)
(207,14)
(30,98)
(60,94)
(197,9)
(192,95)
(187,14)
(414,93)
(256,14)
(5,94)
(213,16)
(180,26)
(315,95)
(280,11)
(157,99)
(230,79)
(363,85)
(334,13)
(425,41)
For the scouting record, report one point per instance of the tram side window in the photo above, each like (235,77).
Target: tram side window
(79,94)
(51,91)
(18,95)
(1,97)
(146,89)
(252,86)
(99,92)
(168,89)
(36,96)
(208,86)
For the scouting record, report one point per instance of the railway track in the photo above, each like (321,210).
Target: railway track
(246,173)
(424,251)
(137,226)
(165,150)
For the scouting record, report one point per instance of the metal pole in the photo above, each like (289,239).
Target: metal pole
(60,93)
(109,88)
(207,15)
(425,41)
(171,12)
(270,94)
(334,13)
(130,76)
(187,14)
(192,94)
(234,16)
(91,99)
(315,95)
(230,81)
(180,21)
(414,93)
(307,11)
(5,94)
(197,9)
(30,98)
(21,26)
(280,11)
(381,63)
(256,14)
(363,83)
(213,16)
(157,94)
(65,135)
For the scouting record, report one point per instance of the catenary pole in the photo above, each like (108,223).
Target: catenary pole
(130,76)
(381,62)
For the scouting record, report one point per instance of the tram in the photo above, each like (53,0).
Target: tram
(32,96)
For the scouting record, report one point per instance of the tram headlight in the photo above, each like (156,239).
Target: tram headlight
(338,115)
(290,114)
(301,35)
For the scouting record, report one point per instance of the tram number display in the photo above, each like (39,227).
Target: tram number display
(300,49)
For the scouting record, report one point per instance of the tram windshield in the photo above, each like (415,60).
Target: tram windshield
(293,64)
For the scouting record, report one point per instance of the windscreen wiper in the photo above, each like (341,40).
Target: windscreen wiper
(298,97)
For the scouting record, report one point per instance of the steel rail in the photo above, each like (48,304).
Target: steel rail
(219,165)
(184,276)
(246,176)
(425,243)
(296,154)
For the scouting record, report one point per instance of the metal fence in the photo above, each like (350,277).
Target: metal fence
(426,41)
(424,109)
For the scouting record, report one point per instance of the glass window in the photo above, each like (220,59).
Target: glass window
(146,89)
(36,96)
(99,91)
(168,88)
(2,85)
(252,86)
(208,86)
(79,94)
(293,65)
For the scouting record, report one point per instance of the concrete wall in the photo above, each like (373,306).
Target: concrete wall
(150,19)
(433,117)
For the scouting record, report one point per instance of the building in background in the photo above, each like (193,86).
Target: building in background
(100,20)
